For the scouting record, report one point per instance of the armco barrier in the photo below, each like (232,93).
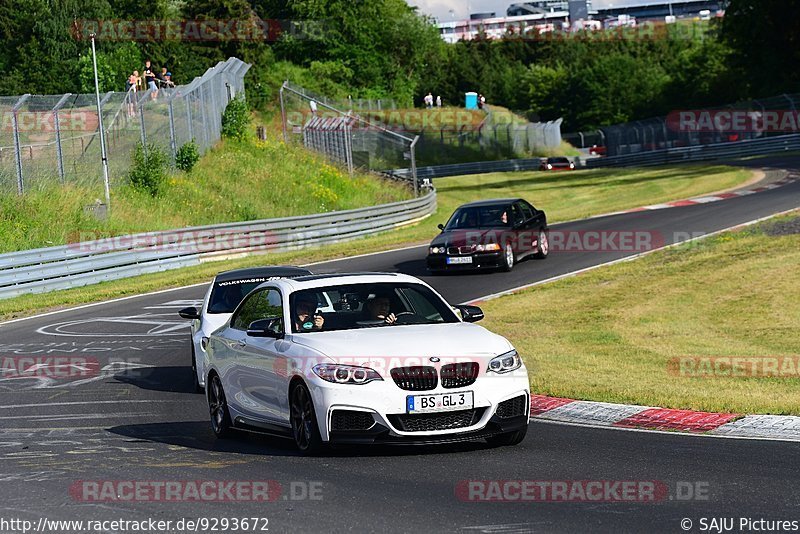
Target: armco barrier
(88,262)
(671,156)
(479,167)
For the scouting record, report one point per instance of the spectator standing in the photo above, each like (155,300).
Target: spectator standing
(429,100)
(132,85)
(439,101)
(150,79)
(480,101)
(483,101)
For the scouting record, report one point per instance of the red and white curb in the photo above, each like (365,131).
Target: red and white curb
(711,198)
(623,416)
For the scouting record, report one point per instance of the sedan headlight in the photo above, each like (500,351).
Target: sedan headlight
(345,374)
(550,166)
(505,363)
(436,250)
(487,248)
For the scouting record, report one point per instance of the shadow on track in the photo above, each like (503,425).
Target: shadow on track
(197,435)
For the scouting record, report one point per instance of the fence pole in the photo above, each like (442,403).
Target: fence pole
(203,114)
(17,147)
(142,129)
(59,149)
(172,142)
(283,114)
(413,150)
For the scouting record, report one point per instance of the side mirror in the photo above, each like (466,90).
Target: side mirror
(440,226)
(269,327)
(189,313)
(470,314)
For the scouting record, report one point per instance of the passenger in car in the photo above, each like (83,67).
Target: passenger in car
(305,318)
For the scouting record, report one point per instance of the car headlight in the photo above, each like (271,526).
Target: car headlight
(571,165)
(436,250)
(549,166)
(505,363)
(488,248)
(345,374)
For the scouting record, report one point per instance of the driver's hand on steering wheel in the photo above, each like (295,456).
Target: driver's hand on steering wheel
(390,319)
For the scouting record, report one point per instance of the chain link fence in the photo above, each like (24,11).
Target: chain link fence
(748,120)
(344,137)
(55,139)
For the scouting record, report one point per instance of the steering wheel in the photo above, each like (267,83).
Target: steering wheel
(403,317)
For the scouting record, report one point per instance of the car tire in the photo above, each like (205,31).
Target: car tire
(543,247)
(218,409)
(509,259)
(196,383)
(508,439)
(305,429)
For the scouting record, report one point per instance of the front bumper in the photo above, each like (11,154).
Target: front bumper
(379,408)
(382,435)
(480,260)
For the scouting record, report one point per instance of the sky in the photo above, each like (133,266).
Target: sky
(441,8)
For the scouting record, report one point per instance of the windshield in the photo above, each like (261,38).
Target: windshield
(558,160)
(479,217)
(347,307)
(227,295)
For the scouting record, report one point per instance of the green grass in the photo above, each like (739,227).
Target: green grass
(236,181)
(597,191)
(610,334)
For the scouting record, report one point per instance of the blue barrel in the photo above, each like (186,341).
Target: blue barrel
(471,100)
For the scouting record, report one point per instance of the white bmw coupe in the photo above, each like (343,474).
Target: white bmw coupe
(361,359)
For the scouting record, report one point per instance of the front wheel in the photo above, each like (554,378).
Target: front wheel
(218,407)
(508,260)
(508,439)
(543,247)
(304,421)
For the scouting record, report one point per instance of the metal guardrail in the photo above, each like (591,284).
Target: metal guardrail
(479,167)
(88,262)
(670,156)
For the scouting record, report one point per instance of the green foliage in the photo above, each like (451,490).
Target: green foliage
(187,156)
(236,120)
(149,168)
(106,75)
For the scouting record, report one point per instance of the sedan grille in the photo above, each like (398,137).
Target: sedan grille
(512,407)
(429,422)
(459,375)
(459,250)
(351,420)
(415,378)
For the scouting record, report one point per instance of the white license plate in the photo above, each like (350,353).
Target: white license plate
(459,260)
(443,402)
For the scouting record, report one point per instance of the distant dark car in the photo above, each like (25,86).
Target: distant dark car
(557,164)
(597,150)
(489,234)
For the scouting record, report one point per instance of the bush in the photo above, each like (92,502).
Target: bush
(149,169)
(187,156)
(236,119)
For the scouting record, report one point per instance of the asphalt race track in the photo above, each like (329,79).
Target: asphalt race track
(133,417)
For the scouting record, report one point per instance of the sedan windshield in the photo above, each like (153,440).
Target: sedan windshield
(346,307)
(227,295)
(479,217)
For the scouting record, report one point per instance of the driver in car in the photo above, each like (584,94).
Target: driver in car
(305,318)
(379,309)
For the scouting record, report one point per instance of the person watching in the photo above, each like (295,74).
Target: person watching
(305,318)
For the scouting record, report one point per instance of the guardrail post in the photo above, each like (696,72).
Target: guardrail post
(57,125)
(17,147)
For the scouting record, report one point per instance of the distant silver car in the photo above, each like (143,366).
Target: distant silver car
(225,293)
